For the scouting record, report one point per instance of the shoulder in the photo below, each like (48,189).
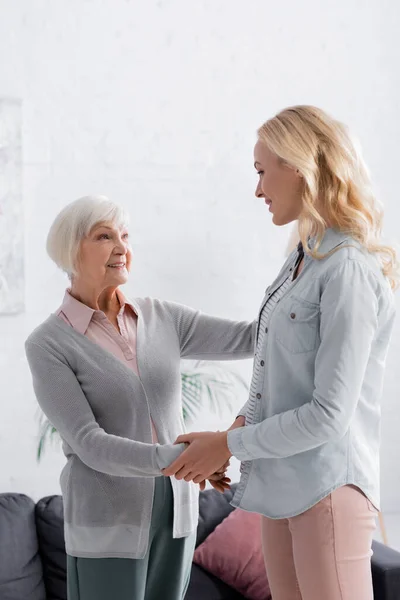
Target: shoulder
(166,314)
(348,258)
(41,333)
(149,306)
(352,266)
(153,311)
(51,336)
(159,308)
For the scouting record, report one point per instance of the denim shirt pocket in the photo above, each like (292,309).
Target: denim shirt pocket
(298,328)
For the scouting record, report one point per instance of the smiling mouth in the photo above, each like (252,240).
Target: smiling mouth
(117,266)
(268,202)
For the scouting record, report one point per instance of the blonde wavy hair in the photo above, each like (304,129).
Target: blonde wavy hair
(337,188)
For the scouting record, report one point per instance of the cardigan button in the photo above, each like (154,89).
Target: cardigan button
(266,330)
(292,315)
(258,396)
(262,363)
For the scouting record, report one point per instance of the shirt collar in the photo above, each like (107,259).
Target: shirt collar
(124,301)
(332,238)
(80,315)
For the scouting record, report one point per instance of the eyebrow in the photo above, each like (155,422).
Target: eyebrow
(99,228)
(109,228)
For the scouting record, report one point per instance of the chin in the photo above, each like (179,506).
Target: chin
(281,221)
(119,279)
(123,280)
(278,221)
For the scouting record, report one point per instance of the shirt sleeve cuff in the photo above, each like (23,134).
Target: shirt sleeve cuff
(236,445)
(166,454)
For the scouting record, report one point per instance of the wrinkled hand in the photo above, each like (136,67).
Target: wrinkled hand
(206,453)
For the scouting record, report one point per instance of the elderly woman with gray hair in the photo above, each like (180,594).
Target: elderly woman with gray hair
(106,373)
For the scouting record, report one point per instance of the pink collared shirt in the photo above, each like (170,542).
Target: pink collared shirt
(95,325)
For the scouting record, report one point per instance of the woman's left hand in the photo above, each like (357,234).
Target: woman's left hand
(206,453)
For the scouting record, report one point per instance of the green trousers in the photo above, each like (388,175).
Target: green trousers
(163,574)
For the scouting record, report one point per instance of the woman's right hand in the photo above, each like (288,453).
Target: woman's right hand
(218,480)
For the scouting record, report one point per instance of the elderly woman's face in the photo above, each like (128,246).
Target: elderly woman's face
(105,256)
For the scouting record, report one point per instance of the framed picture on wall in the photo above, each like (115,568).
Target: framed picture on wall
(12,282)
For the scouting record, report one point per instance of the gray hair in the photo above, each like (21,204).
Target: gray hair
(75,222)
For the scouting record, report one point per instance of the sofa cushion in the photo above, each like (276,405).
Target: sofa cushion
(214,507)
(50,531)
(20,564)
(204,585)
(233,553)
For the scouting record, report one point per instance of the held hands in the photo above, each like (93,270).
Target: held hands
(218,480)
(202,459)
(201,444)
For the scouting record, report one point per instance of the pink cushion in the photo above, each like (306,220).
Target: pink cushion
(233,553)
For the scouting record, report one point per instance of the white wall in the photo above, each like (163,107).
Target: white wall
(156,104)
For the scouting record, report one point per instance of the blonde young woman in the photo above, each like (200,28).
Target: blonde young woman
(106,373)
(308,437)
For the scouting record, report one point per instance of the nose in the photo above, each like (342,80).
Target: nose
(120,247)
(259,193)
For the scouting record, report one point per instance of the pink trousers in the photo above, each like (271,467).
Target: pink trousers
(324,553)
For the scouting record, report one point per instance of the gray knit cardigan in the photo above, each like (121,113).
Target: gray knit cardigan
(102,411)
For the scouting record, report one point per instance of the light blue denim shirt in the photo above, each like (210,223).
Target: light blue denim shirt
(317,423)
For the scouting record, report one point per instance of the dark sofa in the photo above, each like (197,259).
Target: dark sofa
(33,562)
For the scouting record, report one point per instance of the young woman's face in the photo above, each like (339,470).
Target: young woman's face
(105,256)
(279,184)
